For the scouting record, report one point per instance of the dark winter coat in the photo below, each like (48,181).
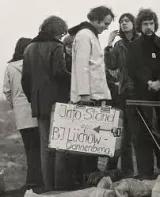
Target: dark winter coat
(116,70)
(44,77)
(144,65)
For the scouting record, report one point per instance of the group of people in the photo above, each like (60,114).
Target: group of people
(49,69)
(132,66)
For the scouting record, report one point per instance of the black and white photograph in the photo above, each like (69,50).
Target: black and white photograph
(80,98)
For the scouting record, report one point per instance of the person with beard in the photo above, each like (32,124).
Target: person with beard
(144,69)
(88,80)
(121,85)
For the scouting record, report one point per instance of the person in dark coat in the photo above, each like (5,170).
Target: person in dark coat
(144,68)
(115,59)
(44,80)
(121,85)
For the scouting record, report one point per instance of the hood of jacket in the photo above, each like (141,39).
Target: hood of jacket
(18,65)
(74,30)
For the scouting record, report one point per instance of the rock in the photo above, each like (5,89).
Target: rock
(105,183)
(156,188)
(101,192)
(133,187)
(30,193)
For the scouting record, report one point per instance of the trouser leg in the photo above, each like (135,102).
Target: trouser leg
(47,157)
(144,144)
(129,130)
(156,121)
(31,140)
(68,172)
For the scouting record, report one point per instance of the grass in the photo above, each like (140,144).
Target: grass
(12,156)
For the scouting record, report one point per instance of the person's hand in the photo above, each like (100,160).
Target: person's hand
(103,104)
(112,36)
(85,98)
(155,85)
(149,84)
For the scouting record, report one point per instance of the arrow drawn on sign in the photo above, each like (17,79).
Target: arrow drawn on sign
(117,132)
(98,129)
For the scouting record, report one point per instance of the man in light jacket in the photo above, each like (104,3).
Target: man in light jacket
(88,79)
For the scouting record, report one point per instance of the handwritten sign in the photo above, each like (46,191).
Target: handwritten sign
(85,129)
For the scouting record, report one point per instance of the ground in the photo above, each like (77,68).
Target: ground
(12,155)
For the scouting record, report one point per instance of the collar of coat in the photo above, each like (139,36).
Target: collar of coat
(124,43)
(74,30)
(44,37)
(154,38)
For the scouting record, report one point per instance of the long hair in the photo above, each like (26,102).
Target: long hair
(21,44)
(53,26)
(143,15)
(132,19)
(99,13)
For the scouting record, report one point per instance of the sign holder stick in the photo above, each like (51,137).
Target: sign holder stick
(145,103)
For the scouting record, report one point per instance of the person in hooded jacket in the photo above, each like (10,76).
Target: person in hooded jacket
(27,125)
(88,79)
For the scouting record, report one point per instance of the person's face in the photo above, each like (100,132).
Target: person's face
(69,49)
(126,25)
(148,27)
(104,24)
(60,36)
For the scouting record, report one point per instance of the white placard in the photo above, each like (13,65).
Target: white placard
(85,129)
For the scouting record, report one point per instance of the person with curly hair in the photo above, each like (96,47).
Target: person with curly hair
(88,79)
(144,69)
(44,76)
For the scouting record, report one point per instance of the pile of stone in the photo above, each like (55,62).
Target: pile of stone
(128,187)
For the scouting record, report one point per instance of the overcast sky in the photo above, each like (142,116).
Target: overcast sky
(22,18)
